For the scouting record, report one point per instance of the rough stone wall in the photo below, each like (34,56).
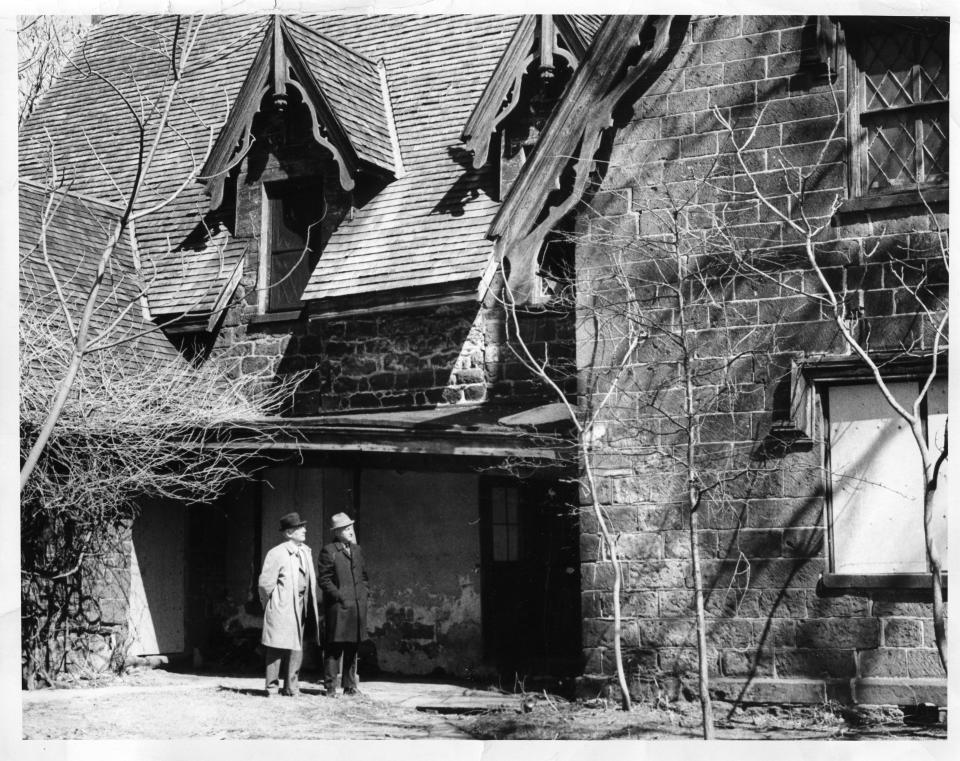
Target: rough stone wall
(434,355)
(442,355)
(772,634)
(102,637)
(399,360)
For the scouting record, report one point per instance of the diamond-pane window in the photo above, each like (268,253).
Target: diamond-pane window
(901,105)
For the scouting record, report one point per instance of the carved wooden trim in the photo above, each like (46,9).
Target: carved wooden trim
(327,129)
(502,93)
(571,139)
(277,64)
(237,127)
(504,81)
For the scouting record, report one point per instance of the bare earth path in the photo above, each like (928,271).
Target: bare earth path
(184,706)
(156,705)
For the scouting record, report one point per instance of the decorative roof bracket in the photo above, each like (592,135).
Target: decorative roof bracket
(278,64)
(571,139)
(537,38)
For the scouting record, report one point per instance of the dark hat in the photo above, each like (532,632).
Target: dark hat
(291,520)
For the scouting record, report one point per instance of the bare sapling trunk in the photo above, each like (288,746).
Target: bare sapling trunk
(693,504)
(584,430)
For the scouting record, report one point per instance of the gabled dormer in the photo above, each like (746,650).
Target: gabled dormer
(525,87)
(301,76)
(309,130)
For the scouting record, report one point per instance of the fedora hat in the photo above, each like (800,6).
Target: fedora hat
(291,520)
(340,520)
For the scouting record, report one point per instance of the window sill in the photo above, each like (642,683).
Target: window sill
(268,317)
(932,197)
(854,581)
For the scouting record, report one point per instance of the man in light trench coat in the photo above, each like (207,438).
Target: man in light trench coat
(288,593)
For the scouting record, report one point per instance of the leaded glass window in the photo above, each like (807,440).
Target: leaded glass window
(902,92)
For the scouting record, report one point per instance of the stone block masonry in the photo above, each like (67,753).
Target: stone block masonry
(444,355)
(773,632)
(451,354)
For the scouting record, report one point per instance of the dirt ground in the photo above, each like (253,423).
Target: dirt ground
(681,721)
(159,705)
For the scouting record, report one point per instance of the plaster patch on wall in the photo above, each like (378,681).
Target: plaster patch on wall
(420,633)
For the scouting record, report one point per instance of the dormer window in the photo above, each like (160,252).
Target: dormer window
(290,247)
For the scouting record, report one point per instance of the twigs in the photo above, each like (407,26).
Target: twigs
(134,426)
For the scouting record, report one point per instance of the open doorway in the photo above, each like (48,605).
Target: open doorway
(531,578)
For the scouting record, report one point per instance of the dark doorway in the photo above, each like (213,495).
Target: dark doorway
(531,578)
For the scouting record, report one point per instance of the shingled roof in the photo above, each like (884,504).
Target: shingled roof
(353,84)
(398,85)
(77,231)
(85,122)
(429,226)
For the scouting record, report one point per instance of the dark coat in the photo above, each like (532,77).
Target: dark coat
(343,579)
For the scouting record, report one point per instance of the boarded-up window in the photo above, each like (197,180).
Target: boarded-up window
(900,108)
(294,212)
(876,479)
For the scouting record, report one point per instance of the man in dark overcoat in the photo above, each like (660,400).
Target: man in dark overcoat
(342,576)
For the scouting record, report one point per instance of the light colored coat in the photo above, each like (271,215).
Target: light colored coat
(283,625)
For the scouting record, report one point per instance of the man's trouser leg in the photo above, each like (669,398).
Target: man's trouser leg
(350,683)
(273,658)
(291,684)
(331,666)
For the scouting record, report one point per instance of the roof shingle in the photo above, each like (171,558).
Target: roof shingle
(426,228)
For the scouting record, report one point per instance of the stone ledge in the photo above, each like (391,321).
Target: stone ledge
(866,691)
(777,690)
(884,691)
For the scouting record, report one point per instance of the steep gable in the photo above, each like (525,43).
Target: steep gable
(353,84)
(540,47)
(341,89)
(538,200)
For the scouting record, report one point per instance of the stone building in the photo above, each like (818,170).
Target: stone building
(723,141)
(357,192)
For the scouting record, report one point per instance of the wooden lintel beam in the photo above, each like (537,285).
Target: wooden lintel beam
(409,447)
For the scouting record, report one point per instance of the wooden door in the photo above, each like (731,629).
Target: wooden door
(531,578)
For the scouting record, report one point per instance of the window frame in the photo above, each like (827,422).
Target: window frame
(272,198)
(511,524)
(802,425)
(818,379)
(859,195)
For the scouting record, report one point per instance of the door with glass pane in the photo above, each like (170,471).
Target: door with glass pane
(531,578)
